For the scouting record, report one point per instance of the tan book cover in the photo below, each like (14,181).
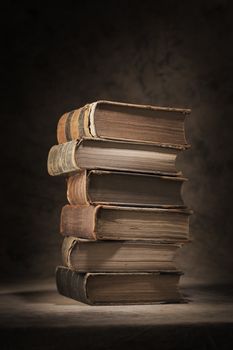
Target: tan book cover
(89,153)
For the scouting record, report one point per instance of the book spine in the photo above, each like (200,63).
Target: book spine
(68,246)
(72,284)
(78,221)
(77,189)
(61,159)
(74,125)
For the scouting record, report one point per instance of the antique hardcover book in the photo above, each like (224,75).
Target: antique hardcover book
(122,188)
(113,155)
(111,256)
(123,121)
(119,288)
(104,222)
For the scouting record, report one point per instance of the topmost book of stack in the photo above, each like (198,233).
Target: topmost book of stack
(123,121)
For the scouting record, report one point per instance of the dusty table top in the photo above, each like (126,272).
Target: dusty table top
(34,316)
(38,303)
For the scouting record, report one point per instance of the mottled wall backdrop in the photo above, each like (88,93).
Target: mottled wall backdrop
(169,53)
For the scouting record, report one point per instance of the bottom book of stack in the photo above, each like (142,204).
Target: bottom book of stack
(119,288)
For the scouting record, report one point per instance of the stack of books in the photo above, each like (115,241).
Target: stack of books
(125,219)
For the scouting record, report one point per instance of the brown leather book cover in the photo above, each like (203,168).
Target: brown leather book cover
(74,125)
(110,187)
(120,288)
(118,256)
(79,219)
(103,222)
(125,121)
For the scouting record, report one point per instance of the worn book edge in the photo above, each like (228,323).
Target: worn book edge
(78,184)
(78,289)
(62,158)
(91,213)
(84,120)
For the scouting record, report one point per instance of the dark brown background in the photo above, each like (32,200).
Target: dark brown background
(169,53)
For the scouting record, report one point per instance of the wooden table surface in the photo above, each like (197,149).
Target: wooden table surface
(35,316)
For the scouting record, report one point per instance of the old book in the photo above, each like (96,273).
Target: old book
(104,222)
(113,155)
(122,188)
(118,288)
(117,256)
(115,120)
